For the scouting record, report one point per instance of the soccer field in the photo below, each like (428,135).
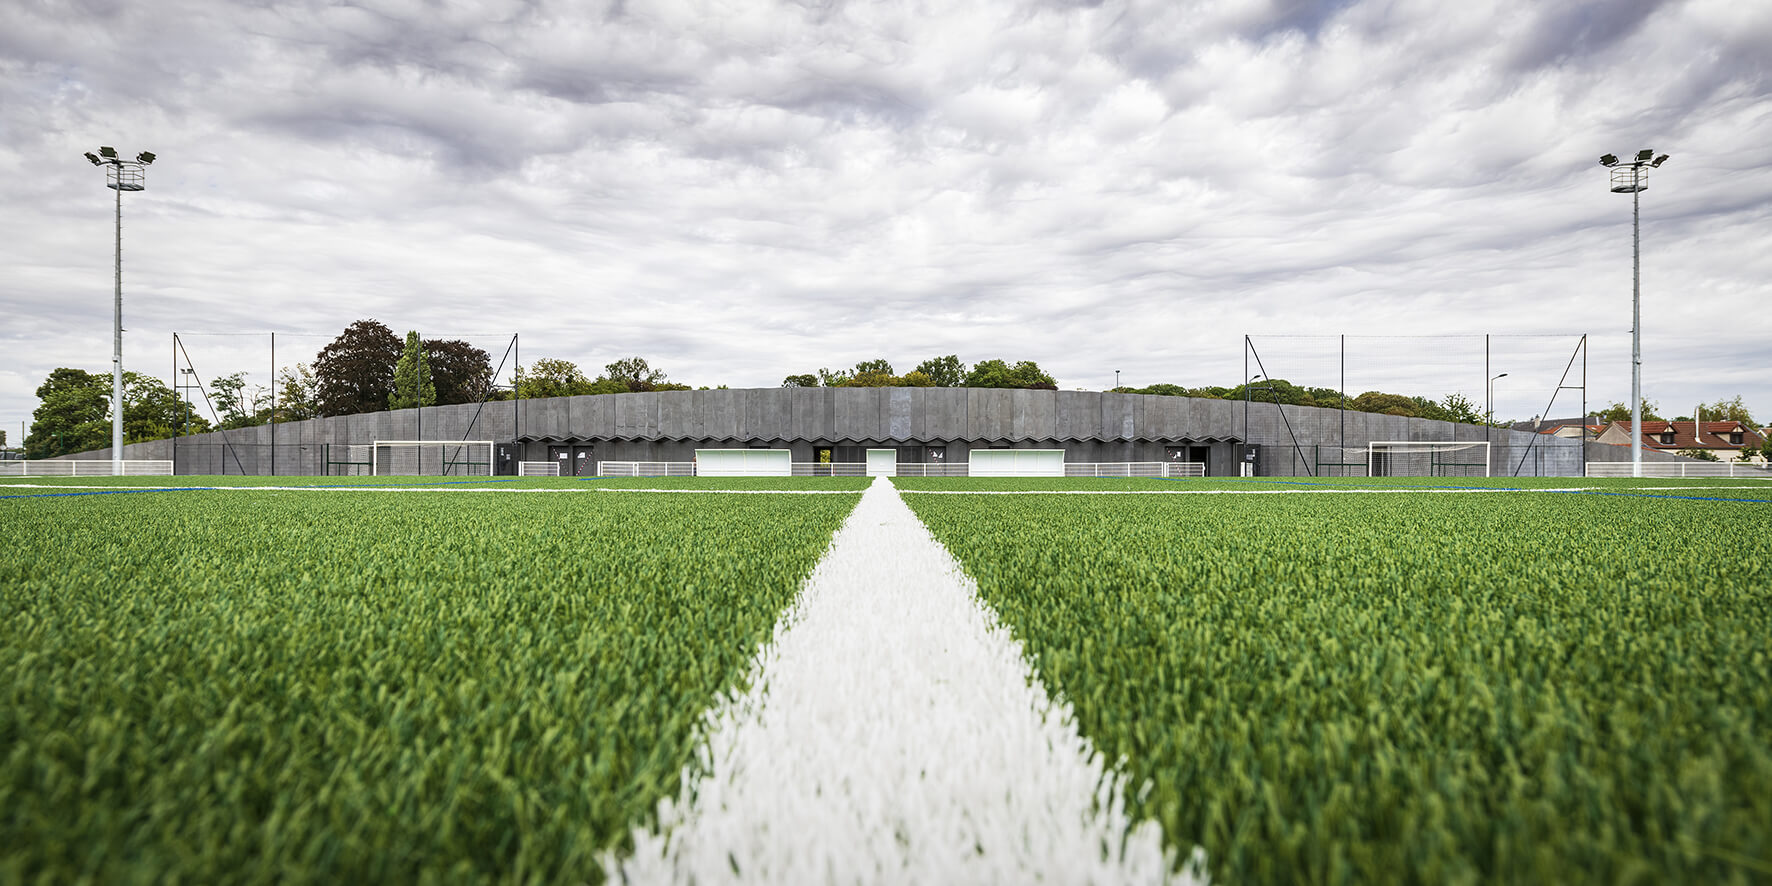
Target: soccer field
(496,680)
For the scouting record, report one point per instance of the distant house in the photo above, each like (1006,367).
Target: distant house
(1724,439)
(1572,430)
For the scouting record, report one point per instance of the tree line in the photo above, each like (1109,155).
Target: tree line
(368,368)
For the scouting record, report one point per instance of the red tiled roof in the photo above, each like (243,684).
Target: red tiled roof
(1713,435)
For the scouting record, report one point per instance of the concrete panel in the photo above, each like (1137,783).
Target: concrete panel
(946,414)
(857,413)
(1119,416)
(904,412)
(1033,415)
(990,410)
(636,415)
(1077,415)
(716,415)
(1162,418)
(676,414)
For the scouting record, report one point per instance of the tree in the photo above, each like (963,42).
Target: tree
(1621,412)
(235,405)
(917,379)
(832,379)
(634,372)
(800,381)
(412,377)
(873,367)
(1700,454)
(74,414)
(295,402)
(355,373)
(461,372)
(1728,410)
(551,378)
(998,374)
(943,372)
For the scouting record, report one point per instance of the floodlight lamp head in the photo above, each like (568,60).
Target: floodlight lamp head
(1659,160)
(145,157)
(1609,160)
(107,152)
(93,158)
(1644,155)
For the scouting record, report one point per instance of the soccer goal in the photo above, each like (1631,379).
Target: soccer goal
(443,458)
(1420,458)
(538,469)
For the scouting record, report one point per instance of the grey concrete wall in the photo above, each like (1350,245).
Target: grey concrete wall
(670,425)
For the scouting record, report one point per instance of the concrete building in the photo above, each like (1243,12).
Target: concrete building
(925,425)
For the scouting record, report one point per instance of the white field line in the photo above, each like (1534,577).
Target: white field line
(422,489)
(893,733)
(1364,491)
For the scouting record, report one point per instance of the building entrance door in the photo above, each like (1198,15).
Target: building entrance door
(562,456)
(582,464)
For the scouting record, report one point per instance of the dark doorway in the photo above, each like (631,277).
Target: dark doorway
(582,463)
(1201,454)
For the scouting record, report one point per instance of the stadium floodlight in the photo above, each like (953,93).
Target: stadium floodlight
(120,175)
(1608,159)
(1632,177)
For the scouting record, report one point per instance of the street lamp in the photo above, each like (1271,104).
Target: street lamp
(1489,403)
(120,175)
(1632,177)
(1116,379)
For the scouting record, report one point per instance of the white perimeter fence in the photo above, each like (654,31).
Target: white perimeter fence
(84,468)
(1671,470)
(903,469)
(538,469)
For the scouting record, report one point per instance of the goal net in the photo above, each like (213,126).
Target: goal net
(441,458)
(1426,459)
(538,469)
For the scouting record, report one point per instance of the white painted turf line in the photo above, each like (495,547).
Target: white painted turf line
(893,733)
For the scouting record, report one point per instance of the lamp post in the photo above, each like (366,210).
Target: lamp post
(1116,379)
(1632,177)
(120,175)
(1489,401)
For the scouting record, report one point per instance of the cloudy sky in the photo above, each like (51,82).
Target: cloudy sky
(742,189)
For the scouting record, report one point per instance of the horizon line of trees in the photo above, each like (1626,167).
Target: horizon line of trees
(367,368)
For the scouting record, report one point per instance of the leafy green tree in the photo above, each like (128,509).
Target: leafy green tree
(1621,412)
(72,415)
(74,412)
(634,372)
(552,378)
(236,406)
(460,372)
(999,374)
(800,381)
(916,378)
(1700,454)
(943,372)
(412,377)
(295,400)
(873,367)
(832,379)
(1728,410)
(355,372)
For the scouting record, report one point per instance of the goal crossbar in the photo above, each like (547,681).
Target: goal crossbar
(1426,458)
(471,458)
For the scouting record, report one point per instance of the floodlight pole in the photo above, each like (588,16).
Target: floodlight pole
(1631,177)
(121,175)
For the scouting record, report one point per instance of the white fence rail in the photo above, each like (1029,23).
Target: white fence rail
(1673,470)
(538,469)
(645,469)
(92,467)
(1135,469)
(830,469)
(934,469)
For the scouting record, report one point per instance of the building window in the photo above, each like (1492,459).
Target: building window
(1735,438)
(1667,438)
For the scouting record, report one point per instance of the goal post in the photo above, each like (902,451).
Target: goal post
(538,469)
(441,458)
(1422,458)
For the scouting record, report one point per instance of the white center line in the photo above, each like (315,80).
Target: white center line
(893,733)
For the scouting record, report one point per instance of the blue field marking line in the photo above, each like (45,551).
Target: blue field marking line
(110,492)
